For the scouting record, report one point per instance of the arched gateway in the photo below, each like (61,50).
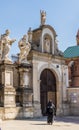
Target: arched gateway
(47,88)
(34,78)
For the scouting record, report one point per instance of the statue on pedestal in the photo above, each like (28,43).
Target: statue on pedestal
(5,44)
(25,47)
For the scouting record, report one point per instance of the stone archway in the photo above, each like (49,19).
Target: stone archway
(47,88)
(57,75)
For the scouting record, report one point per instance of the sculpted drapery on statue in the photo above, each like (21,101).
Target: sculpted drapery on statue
(24,47)
(5,44)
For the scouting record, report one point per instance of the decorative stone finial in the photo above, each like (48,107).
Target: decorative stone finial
(77,37)
(43,17)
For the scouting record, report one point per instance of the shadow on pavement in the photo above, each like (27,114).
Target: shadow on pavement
(68,119)
(64,119)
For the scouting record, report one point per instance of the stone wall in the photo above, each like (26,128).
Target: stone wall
(16,113)
(73,67)
(73,99)
(15,77)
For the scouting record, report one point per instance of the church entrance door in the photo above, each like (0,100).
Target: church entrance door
(47,88)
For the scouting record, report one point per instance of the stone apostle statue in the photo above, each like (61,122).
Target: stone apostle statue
(5,44)
(25,47)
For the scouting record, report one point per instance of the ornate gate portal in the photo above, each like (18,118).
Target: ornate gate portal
(47,88)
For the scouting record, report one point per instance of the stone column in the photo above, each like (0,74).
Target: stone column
(35,83)
(37,109)
(64,82)
(65,105)
(59,110)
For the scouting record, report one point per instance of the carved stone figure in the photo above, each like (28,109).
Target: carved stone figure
(43,17)
(47,45)
(57,51)
(25,47)
(6,43)
(30,35)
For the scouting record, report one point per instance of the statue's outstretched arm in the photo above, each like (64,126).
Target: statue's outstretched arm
(11,41)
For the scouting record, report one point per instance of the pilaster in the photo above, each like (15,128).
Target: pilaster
(37,109)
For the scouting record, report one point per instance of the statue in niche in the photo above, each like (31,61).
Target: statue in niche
(25,47)
(47,44)
(6,43)
(43,17)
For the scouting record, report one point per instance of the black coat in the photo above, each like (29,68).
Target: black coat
(50,109)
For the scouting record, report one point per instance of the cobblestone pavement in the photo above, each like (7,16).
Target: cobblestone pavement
(60,123)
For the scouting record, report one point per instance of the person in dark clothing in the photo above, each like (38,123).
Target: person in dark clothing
(50,112)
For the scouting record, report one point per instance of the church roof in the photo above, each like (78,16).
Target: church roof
(71,52)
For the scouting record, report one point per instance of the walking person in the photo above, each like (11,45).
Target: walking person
(50,112)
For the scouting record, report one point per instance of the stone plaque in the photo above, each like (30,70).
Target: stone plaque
(7,78)
(9,99)
(26,79)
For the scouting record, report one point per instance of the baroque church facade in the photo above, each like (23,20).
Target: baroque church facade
(39,73)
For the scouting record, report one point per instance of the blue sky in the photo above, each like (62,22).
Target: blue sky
(19,15)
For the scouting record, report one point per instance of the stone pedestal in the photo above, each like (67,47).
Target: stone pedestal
(25,75)
(27,95)
(6,80)
(26,89)
(28,110)
(9,97)
(8,91)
